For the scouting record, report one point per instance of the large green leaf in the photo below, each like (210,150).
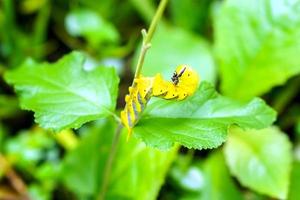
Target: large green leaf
(63,94)
(174,46)
(257,44)
(200,121)
(137,173)
(260,160)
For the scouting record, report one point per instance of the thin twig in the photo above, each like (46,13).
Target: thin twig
(148,36)
(109,162)
(145,46)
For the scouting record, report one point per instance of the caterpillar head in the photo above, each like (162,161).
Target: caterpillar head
(186,79)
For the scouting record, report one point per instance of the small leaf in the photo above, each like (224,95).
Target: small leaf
(261,160)
(90,25)
(64,95)
(187,176)
(257,44)
(209,180)
(200,121)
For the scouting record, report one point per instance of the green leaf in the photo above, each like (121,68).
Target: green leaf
(93,151)
(172,47)
(186,176)
(257,44)
(201,121)
(209,180)
(63,94)
(90,25)
(141,169)
(294,192)
(261,160)
(218,183)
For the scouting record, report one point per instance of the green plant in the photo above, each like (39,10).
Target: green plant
(66,94)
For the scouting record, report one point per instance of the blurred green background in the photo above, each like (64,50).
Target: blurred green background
(245,48)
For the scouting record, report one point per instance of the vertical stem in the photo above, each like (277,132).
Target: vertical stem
(148,36)
(156,18)
(145,46)
(109,163)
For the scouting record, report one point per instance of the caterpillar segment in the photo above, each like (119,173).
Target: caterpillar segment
(160,86)
(184,83)
(136,101)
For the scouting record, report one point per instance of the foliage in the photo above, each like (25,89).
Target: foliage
(130,159)
(257,44)
(294,191)
(65,102)
(61,101)
(70,63)
(200,121)
(255,159)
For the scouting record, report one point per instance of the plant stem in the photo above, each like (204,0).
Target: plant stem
(148,36)
(145,46)
(109,162)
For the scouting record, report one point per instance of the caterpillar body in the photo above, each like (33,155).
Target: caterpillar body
(184,83)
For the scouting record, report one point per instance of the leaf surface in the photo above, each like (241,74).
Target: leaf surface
(257,45)
(200,121)
(261,160)
(63,94)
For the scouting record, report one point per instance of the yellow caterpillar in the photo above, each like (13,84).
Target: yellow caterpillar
(184,83)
